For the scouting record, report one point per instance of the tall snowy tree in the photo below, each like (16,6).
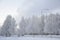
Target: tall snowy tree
(8,26)
(52,24)
(22,26)
(12,27)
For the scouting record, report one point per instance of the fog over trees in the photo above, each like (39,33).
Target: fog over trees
(35,25)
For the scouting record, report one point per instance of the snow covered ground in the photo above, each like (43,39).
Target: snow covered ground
(28,38)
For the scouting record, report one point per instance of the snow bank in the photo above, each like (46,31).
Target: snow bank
(27,38)
(43,36)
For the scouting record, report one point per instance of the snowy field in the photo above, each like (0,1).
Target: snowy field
(29,38)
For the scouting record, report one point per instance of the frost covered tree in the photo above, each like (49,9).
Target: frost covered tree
(52,24)
(22,26)
(33,28)
(12,28)
(8,26)
(42,24)
(35,25)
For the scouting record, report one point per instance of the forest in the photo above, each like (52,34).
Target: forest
(34,25)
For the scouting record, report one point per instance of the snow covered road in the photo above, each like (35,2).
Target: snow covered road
(27,38)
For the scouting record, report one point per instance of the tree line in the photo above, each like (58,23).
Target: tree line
(35,25)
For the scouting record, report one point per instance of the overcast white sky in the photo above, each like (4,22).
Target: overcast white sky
(18,8)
